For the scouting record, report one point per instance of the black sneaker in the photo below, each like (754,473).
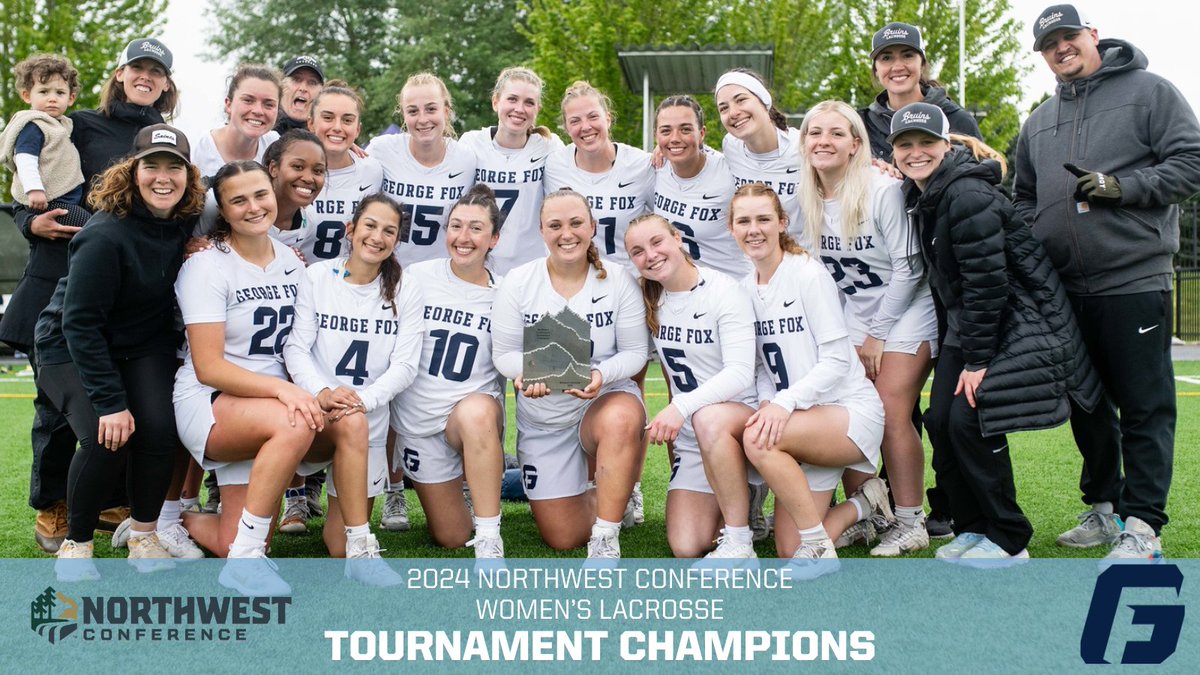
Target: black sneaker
(939,526)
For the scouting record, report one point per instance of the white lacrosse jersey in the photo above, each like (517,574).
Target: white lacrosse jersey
(456,350)
(705,341)
(880,272)
(208,160)
(698,207)
(779,170)
(257,306)
(613,306)
(516,176)
(425,193)
(616,196)
(348,335)
(324,237)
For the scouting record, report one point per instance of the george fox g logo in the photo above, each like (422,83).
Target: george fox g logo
(1167,620)
(53,615)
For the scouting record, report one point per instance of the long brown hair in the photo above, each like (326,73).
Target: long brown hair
(113,91)
(652,291)
(116,191)
(389,270)
(786,242)
(775,114)
(981,151)
(593,253)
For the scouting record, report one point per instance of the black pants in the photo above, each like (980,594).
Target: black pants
(975,472)
(1129,341)
(149,454)
(53,447)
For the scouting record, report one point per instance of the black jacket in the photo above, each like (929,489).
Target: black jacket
(878,119)
(101,140)
(117,302)
(1006,304)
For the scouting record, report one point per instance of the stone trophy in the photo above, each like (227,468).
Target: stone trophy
(558,350)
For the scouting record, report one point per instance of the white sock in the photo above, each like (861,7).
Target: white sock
(251,534)
(395,487)
(858,508)
(487,527)
(909,515)
(739,535)
(138,534)
(814,534)
(189,502)
(358,531)
(1104,508)
(170,514)
(608,525)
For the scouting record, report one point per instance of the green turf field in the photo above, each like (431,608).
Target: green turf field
(1047,470)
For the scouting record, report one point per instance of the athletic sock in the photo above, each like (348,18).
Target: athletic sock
(188,503)
(859,506)
(358,532)
(251,535)
(170,514)
(487,527)
(739,535)
(909,516)
(395,487)
(138,534)
(608,524)
(814,534)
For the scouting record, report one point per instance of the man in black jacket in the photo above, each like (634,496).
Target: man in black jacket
(1100,169)
(303,79)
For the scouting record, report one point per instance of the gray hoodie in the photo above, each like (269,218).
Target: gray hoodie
(1125,122)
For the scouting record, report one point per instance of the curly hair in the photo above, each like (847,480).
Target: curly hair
(39,68)
(116,191)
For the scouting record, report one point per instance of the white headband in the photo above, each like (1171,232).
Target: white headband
(745,80)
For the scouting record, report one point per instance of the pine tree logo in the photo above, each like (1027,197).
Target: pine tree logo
(53,615)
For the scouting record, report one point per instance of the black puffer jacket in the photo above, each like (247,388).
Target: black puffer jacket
(1005,300)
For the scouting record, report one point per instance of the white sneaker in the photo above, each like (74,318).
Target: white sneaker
(731,554)
(366,566)
(295,516)
(395,512)
(635,513)
(179,543)
(956,547)
(758,522)
(875,492)
(487,547)
(74,562)
(147,555)
(812,559)
(120,536)
(605,544)
(862,532)
(901,539)
(254,575)
(1137,542)
(988,553)
(1094,529)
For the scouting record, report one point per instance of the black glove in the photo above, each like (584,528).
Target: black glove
(1094,187)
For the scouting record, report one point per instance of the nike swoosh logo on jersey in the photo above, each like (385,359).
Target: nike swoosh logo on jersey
(1143,331)
(711,196)
(622,186)
(364,188)
(535,160)
(789,304)
(792,170)
(377,481)
(595,300)
(389,306)
(698,315)
(455,175)
(289,271)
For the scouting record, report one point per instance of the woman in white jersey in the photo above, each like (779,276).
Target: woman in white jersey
(818,413)
(566,437)
(336,119)
(693,187)
(760,147)
(450,421)
(511,159)
(703,328)
(296,163)
(251,107)
(424,168)
(235,410)
(867,244)
(354,345)
(616,179)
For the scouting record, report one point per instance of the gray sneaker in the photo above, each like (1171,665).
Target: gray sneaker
(395,512)
(635,512)
(902,539)
(758,521)
(862,532)
(1094,529)
(1136,542)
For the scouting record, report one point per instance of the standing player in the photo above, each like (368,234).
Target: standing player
(617,180)
(424,168)
(694,186)
(450,422)
(354,346)
(818,414)
(336,121)
(867,244)
(702,325)
(251,108)
(511,159)
(563,438)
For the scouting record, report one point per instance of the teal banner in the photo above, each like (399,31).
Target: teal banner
(898,616)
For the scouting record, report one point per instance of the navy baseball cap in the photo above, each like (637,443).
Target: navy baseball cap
(1057,17)
(897,34)
(924,117)
(147,48)
(309,62)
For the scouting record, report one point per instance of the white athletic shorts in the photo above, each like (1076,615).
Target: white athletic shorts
(866,431)
(687,469)
(377,472)
(910,347)
(429,459)
(553,461)
(194,421)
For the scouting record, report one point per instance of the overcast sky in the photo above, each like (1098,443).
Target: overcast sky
(1157,27)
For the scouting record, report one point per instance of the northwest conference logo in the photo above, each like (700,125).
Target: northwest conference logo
(1166,620)
(56,617)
